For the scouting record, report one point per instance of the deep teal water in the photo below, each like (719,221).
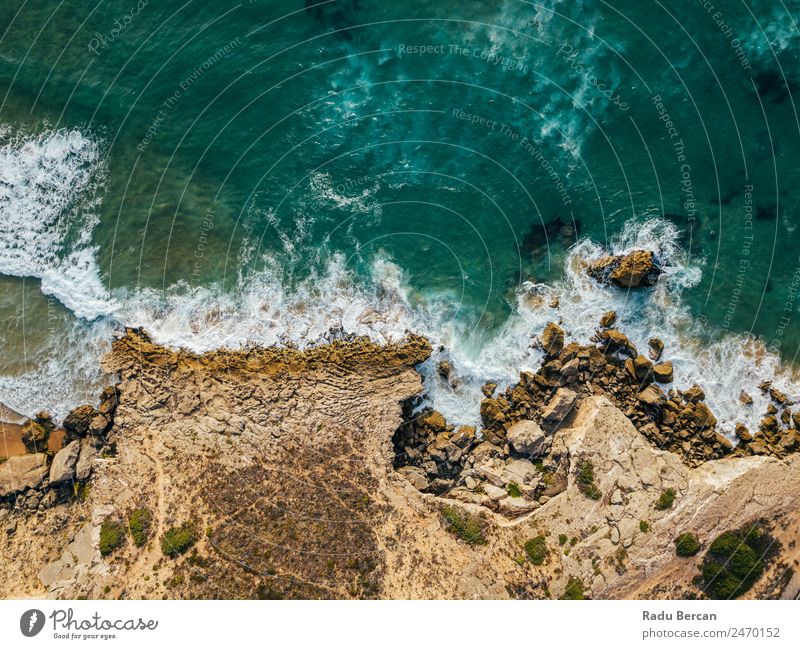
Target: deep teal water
(469,143)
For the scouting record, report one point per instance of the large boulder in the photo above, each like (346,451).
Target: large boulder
(653,396)
(22,472)
(63,466)
(433,420)
(552,339)
(637,268)
(662,372)
(492,412)
(528,438)
(86,458)
(612,340)
(98,425)
(78,420)
(559,407)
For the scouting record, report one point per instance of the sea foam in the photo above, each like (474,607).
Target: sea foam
(48,190)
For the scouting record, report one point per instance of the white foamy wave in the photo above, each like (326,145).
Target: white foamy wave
(264,311)
(48,203)
(64,373)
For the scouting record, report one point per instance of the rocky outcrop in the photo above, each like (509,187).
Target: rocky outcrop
(637,268)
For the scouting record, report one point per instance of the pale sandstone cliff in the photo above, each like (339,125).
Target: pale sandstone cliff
(282,460)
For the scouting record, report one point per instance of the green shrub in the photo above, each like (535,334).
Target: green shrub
(562,539)
(140,523)
(666,499)
(734,561)
(687,545)
(585,480)
(465,526)
(512,489)
(178,540)
(644,526)
(536,549)
(574,589)
(112,535)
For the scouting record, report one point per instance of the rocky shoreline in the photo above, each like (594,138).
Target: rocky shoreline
(310,474)
(495,465)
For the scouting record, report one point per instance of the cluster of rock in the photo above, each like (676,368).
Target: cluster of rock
(507,466)
(40,479)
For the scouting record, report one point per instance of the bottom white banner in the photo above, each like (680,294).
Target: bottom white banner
(397,624)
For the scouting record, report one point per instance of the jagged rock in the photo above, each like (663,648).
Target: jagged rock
(559,406)
(98,425)
(434,420)
(484,450)
(34,436)
(415,475)
(492,412)
(77,421)
(745,398)
(608,319)
(662,372)
(778,396)
(769,424)
(698,415)
(743,433)
(638,368)
(464,437)
(22,472)
(86,457)
(652,396)
(613,340)
(724,442)
(109,400)
(656,347)
(637,268)
(63,466)
(528,438)
(694,394)
(789,440)
(488,389)
(446,370)
(552,339)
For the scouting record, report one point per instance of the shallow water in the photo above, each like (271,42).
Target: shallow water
(227,173)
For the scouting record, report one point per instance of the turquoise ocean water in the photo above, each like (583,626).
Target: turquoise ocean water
(232,173)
